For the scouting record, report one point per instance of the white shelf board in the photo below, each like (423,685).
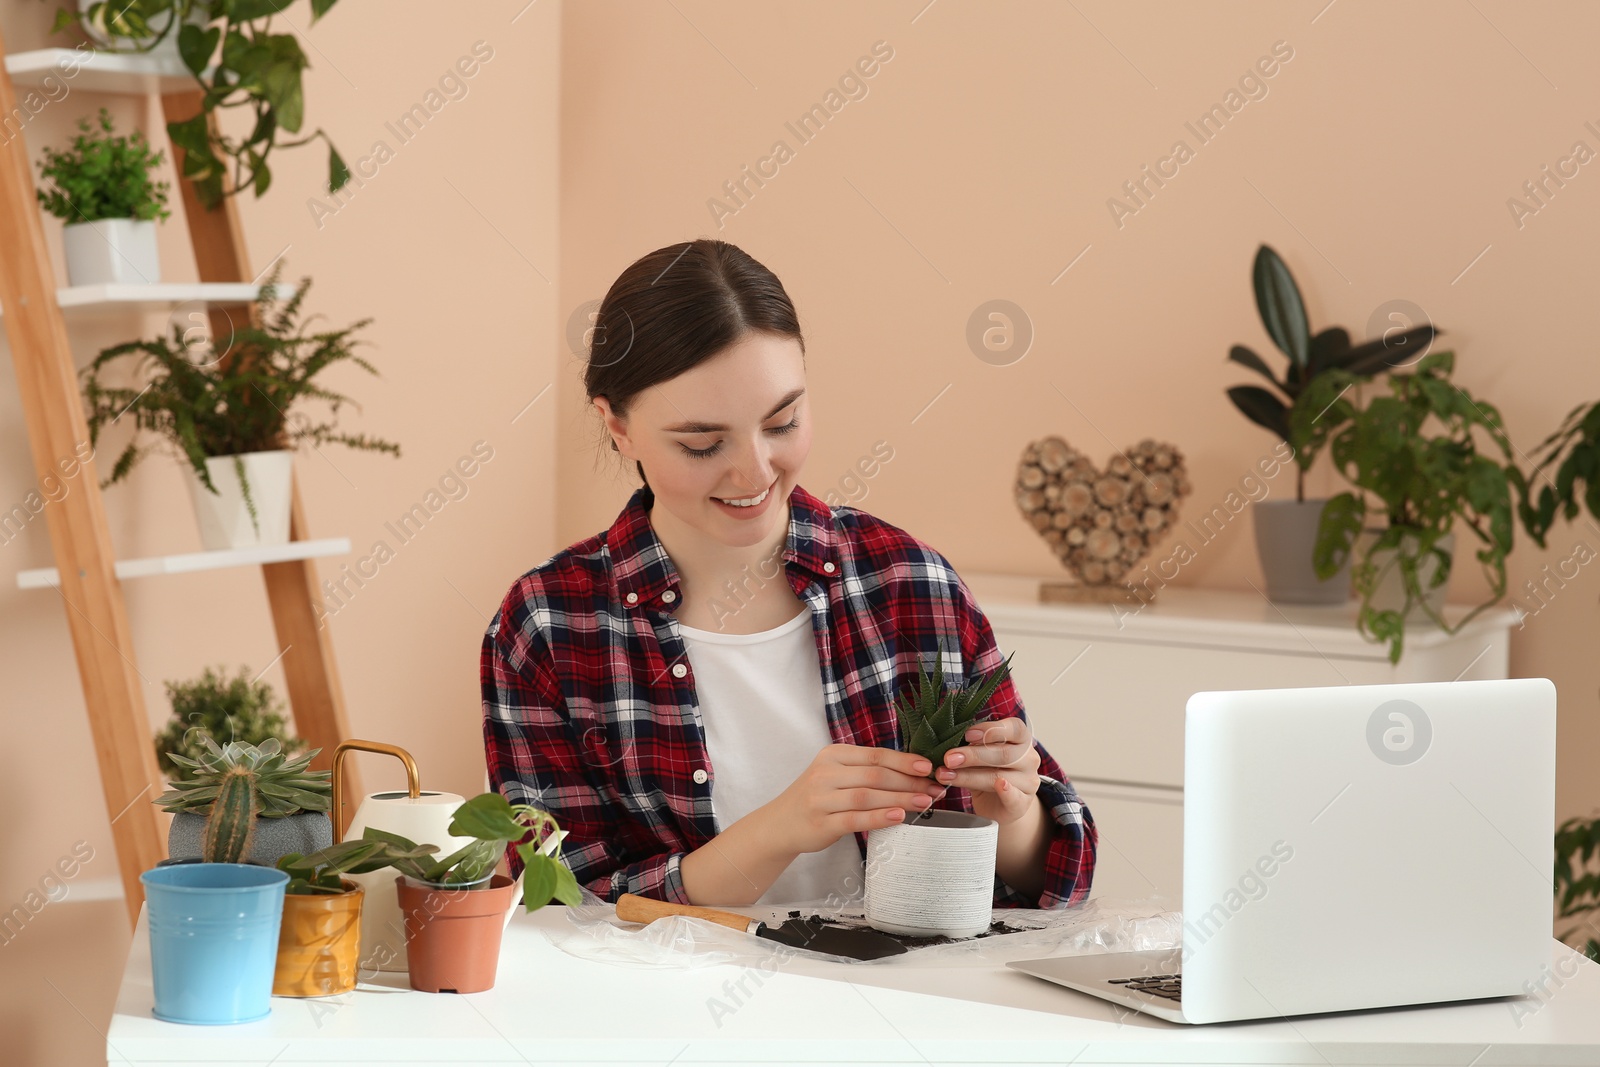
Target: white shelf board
(46,577)
(100,72)
(161,296)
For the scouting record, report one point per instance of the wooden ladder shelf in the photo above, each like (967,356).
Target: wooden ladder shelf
(79,536)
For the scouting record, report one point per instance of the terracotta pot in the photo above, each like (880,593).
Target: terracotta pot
(319,943)
(453,935)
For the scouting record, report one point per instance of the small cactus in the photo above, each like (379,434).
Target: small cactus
(231,826)
(933,719)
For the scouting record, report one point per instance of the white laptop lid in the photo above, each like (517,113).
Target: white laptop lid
(1364,846)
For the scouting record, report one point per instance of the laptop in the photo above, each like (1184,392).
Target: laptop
(1352,847)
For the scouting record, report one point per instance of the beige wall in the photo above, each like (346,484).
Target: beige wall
(977,166)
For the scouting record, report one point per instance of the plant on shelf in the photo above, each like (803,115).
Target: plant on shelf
(319,940)
(101,186)
(1286,529)
(237,62)
(934,717)
(1416,453)
(225,709)
(1283,313)
(1577,882)
(244,803)
(455,906)
(220,411)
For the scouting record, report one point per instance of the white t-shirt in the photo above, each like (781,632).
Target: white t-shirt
(765,721)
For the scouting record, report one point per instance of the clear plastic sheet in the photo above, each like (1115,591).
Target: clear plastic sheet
(593,932)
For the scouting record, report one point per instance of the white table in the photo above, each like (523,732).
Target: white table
(550,1007)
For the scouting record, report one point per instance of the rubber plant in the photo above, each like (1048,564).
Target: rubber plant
(1309,355)
(237,62)
(1416,453)
(1573,453)
(934,718)
(495,824)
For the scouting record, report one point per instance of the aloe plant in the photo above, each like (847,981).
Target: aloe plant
(934,718)
(1283,313)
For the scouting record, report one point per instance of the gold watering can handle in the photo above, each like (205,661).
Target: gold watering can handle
(413,783)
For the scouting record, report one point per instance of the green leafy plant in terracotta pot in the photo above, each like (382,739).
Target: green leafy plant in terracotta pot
(933,875)
(454,907)
(1416,453)
(1285,530)
(103,190)
(243,803)
(237,62)
(235,416)
(237,708)
(319,939)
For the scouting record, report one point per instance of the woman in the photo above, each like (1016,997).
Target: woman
(703,693)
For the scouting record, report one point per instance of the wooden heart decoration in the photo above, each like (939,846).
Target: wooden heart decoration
(1100,524)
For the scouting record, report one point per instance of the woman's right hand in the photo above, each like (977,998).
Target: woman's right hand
(849,789)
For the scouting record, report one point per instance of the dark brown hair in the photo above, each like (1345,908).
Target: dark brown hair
(675,308)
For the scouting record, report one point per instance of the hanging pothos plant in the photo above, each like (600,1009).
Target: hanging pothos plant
(237,62)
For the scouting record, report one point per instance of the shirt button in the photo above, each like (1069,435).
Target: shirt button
(678,671)
(633,598)
(700,776)
(669,596)
(829,567)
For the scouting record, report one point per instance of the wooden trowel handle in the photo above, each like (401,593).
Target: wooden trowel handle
(636,909)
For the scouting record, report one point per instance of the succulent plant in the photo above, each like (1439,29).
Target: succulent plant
(933,718)
(283,786)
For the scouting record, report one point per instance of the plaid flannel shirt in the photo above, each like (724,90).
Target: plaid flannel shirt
(589,698)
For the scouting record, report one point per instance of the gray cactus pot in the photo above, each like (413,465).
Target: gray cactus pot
(1286,533)
(304,833)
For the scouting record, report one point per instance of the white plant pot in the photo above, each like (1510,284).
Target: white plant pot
(168,48)
(1390,594)
(111,252)
(932,876)
(223,516)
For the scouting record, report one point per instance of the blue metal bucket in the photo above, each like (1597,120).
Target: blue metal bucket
(213,940)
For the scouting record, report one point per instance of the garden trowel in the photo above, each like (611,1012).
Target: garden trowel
(809,934)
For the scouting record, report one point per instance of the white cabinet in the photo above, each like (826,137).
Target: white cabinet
(1105,687)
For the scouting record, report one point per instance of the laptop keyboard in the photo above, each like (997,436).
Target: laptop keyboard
(1169,986)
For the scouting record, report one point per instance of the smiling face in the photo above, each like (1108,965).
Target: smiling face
(722,444)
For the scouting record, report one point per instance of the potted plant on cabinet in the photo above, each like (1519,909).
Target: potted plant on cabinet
(1285,530)
(101,189)
(934,874)
(455,906)
(233,416)
(1424,478)
(237,62)
(246,803)
(319,940)
(240,708)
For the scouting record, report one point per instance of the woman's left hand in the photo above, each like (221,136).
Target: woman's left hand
(999,766)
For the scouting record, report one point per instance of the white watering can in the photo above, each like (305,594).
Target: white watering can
(419,814)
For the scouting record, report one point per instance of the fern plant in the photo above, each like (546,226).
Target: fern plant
(934,718)
(248,398)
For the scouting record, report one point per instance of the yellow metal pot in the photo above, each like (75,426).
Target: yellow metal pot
(319,943)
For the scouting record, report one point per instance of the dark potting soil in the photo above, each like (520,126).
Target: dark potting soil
(913,941)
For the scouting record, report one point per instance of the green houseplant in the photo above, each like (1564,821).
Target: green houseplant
(934,717)
(233,417)
(1577,882)
(244,803)
(1415,451)
(1285,530)
(101,187)
(237,62)
(225,709)
(319,940)
(454,906)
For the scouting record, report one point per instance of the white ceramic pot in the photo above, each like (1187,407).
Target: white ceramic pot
(224,518)
(932,876)
(1390,594)
(94,28)
(111,252)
